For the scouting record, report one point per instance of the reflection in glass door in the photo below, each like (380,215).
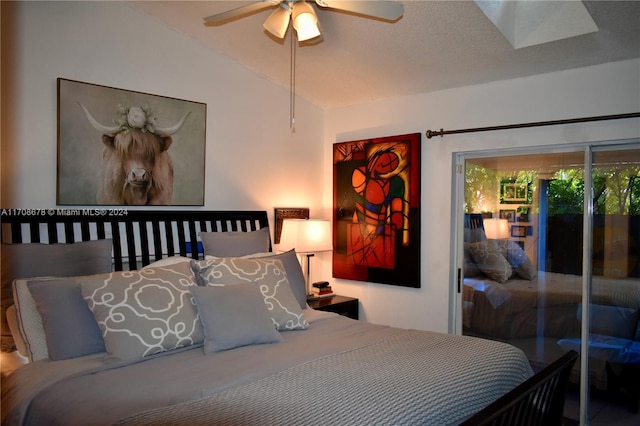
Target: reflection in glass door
(523,266)
(614,309)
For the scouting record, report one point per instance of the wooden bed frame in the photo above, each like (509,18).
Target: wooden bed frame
(538,401)
(140,237)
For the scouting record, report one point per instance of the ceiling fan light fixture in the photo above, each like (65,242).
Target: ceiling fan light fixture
(305,21)
(278,22)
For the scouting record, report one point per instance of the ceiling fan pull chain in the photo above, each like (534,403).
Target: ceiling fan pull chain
(292,93)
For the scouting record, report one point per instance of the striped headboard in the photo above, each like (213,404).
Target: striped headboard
(473,221)
(140,237)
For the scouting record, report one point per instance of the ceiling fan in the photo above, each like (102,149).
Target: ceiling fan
(302,15)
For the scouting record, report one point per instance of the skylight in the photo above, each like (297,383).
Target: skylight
(528,23)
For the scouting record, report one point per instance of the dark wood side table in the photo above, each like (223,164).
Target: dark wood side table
(347,306)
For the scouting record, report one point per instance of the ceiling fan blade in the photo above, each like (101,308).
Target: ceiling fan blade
(240,12)
(278,22)
(387,10)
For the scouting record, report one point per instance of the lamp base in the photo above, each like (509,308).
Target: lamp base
(312,298)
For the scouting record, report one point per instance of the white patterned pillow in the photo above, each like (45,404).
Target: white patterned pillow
(490,260)
(30,322)
(270,277)
(141,313)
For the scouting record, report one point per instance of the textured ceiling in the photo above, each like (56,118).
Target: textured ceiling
(436,45)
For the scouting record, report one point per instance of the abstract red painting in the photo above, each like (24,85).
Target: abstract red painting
(376,198)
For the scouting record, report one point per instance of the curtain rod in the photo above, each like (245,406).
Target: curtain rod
(441,133)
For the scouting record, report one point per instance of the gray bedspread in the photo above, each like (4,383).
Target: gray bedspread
(547,304)
(339,371)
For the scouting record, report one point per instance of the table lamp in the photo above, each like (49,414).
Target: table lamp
(496,229)
(306,236)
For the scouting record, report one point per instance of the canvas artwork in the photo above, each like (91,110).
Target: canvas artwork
(119,147)
(377,210)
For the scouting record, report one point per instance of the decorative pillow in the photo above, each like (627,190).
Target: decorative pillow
(294,273)
(40,260)
(144,312)
(518,259)
(490,261)
(29,322)
(233,244)
(233,316)
(268,274)
(70,328)
(474,235)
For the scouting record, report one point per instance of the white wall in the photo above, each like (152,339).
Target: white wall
(253,160)
(600,90)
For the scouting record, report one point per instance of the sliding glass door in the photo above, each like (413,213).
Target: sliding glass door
(550,261)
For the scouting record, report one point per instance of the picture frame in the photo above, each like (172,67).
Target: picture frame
(522,214)
(512,192)
(518,231)
(282,213)
(510,215)
(376,210)
(90,117)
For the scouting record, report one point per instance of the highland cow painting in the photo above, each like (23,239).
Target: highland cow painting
(376,216)
(124,148)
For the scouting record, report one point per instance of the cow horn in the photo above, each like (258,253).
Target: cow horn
(171,130)
(99,127)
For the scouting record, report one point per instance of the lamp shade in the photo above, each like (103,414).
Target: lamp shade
(306,235)
(305,21)
(496,229)
(278,22)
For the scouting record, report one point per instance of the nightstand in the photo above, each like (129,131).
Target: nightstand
(347,306)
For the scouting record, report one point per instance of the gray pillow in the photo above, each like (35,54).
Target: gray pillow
(486,254)
(267,274)
(232,244)
(70,328)
(58,260)
(141,313)
(294,274)
(474,235)
(233,316)
(518,259)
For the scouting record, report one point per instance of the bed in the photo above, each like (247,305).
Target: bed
(235,342)
(550,304)
(506,299)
